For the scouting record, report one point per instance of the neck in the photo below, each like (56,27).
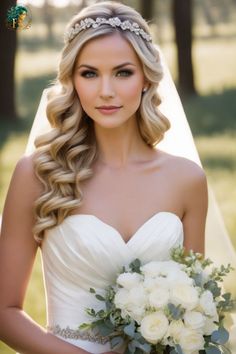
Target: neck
(122,146)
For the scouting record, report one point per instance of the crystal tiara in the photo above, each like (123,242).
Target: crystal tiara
(112,21)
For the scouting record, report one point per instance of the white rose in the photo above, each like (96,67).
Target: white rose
(154,327)
(150,284)
(194,319)
(136,313)
(207,303)
(132,302)
(191,340)
(129,280)
(184,295)
(209,327)
(121,298)
(175,329)
(151,269)
(179,277)
(159,297)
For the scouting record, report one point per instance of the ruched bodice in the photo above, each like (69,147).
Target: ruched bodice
(84,252)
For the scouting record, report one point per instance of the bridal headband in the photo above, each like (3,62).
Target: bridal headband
(112,21)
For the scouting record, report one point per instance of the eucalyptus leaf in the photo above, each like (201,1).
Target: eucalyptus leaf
(173,351)
(135,266)
(198,279)
(178,349)
(92,290)
(144,347)
(213,350)
(176,312)
(116,341)
(220,336)
(130,329)
(104,330)
(131,347)
(100,297)
(213,287)
(85,326)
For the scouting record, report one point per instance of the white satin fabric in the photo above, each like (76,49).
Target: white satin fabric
(84,252)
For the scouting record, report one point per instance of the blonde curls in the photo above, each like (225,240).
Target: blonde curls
(64,156)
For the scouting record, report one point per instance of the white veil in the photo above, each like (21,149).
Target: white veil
(178,140)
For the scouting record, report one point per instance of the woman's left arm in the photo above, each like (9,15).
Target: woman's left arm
(196,206)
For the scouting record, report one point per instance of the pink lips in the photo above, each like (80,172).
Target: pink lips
(108,109)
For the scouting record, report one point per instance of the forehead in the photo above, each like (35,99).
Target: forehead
(112,48)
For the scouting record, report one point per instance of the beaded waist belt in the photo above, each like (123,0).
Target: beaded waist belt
(69,333)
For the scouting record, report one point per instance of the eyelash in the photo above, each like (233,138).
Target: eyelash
(87,73)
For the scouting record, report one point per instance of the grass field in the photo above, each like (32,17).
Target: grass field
(211,116)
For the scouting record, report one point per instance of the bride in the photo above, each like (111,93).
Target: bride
(97,191)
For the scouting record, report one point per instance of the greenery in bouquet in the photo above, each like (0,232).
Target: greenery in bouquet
(175,306)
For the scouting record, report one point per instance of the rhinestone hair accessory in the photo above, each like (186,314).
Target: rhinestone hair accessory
(112,21)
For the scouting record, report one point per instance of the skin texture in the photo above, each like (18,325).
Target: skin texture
(133,181)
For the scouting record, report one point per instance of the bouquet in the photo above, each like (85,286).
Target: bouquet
(174,306)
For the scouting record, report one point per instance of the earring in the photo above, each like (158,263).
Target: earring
(144,89)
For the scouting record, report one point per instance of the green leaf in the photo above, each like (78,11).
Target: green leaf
(131,347)
(104,330)
(116,341)
(173,351)
(213,350)
(135,266)
(92,290)
(100,297)
(178,349)
(176,312)
(144,347)
(101,313)
(198,279)
(85,326)
(213,287)
(220,336)
(130,330)
(91,312)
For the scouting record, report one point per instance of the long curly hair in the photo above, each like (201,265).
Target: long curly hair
(65,155)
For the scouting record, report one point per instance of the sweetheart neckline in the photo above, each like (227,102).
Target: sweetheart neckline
(114,229)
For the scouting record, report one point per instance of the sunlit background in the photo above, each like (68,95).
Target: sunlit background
(211,110)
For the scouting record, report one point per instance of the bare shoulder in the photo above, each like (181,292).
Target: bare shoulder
(23,190)
(24,175)
(184,169)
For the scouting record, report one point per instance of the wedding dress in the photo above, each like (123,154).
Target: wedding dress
(84,252)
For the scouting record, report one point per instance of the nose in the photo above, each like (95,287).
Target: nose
(107,88)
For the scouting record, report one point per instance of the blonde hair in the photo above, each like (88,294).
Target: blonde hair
(64,156)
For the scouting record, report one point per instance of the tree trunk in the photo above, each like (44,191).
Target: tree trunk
(7,64)
(182,15)
(147,9)
(48,19)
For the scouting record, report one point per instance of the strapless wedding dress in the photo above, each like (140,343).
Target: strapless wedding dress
(84,252)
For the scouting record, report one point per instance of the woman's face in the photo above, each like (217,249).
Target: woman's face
(109,80)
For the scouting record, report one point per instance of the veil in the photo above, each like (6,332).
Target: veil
(179,141)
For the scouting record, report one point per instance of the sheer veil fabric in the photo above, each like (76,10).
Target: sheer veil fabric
(177,141)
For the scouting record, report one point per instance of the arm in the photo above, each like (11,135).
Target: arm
(195,206)
(17,254)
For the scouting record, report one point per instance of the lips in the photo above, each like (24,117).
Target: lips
(108,109)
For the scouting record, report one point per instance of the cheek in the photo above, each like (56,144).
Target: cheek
(84,92)
(133,90)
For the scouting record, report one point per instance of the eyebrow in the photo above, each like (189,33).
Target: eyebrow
(115,68)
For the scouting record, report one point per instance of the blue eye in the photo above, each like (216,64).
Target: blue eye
(88,74)
(125,73)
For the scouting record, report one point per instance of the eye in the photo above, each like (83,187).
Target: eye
(88,74)
(125,73)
